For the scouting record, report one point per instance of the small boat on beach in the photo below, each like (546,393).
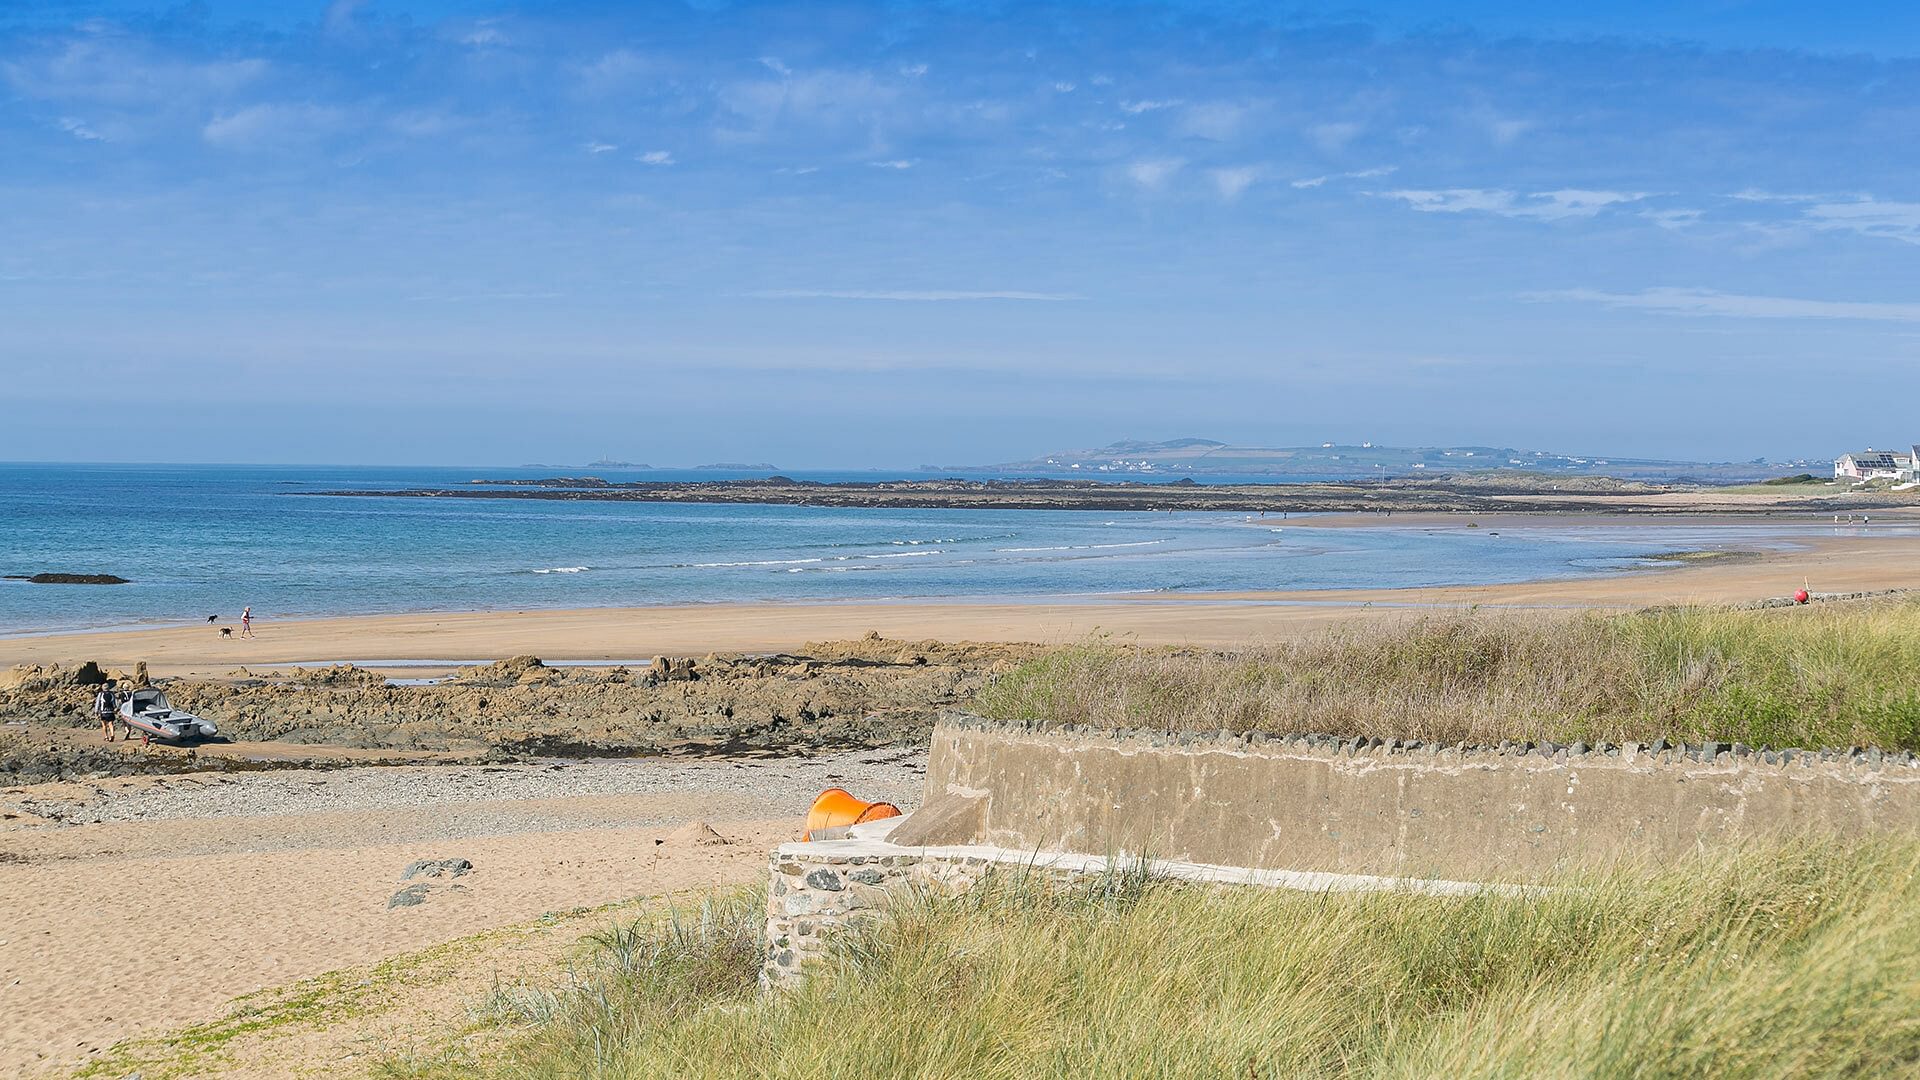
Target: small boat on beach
(150,713)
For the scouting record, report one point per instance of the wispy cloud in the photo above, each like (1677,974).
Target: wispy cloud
(1869,217)
(658,157)
(897,163)
(1538,206)
(1361,174)
(275,123)
(1217,121)
(339,15)
(118,71)
(1135,108)
(1232,182)
(1154,173)
(78,128)
(1709,302)
(1333,138)
(600,147)
(905,294)
(1673,219)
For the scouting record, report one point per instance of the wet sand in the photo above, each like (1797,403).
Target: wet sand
(1848,562)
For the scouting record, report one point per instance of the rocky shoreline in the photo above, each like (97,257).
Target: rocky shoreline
(861,694)
(1528,493)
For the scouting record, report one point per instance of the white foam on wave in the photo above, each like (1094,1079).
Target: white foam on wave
(755,562)
(564,570)
(1081,547)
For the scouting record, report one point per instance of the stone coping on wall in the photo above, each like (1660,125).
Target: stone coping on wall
(816,889)
(1348,746)
(856,850)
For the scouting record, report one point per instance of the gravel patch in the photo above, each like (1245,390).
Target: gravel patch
(892,775)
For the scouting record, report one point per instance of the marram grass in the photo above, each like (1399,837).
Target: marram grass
(1793,960)
(1829,675)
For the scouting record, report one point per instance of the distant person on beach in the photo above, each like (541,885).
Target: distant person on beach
(246,621)
(105,703)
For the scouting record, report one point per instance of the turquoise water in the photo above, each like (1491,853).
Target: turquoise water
(206,540)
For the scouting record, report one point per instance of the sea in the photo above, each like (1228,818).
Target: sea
(200,541)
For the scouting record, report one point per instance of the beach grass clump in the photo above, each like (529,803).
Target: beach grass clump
(1801,959)
(1828,675)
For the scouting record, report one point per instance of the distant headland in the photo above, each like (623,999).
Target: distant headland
(1354,461)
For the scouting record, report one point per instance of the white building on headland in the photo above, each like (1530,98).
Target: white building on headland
(1871,464)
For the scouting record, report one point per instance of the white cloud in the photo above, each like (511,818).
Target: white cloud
(78,128)
(112,71)
(258,124)
(1504,132)
(846,98)
(1709,302)
(1135,108)
(1537,206)
(658,157)
(904,294)
(1064,87)
(774,64)
(617,69)
(339,15)
(1870,217)
(1218,120)
(1153,174)
(426,123)
(895,164)
(484,36)
(600,147)
(1756,195)
(1360,174)
(1672,219)
(914,71)
(1231,182)
(1333,138)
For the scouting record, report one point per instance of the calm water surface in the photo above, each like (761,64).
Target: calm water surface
(206,540)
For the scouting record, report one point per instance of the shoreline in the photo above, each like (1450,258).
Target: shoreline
(1779,537)
(613,634)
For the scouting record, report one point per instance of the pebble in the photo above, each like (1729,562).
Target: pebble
(892,774)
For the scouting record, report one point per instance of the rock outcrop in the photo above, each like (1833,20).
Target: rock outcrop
(875,692)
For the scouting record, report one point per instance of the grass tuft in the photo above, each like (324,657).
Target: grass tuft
(1830,675)
(1802,959)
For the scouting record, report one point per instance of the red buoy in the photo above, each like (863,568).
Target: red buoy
(1801,596)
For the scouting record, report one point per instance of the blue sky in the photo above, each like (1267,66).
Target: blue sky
(885,234)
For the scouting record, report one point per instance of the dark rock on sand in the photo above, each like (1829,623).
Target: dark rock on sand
(433,868)
(411,896)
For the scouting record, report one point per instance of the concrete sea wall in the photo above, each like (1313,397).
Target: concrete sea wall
(1353,806)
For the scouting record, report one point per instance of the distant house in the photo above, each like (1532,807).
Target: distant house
(1871,464)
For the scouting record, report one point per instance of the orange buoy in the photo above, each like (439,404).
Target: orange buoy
(836,811)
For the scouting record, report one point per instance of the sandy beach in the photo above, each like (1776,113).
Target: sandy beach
(144,904)
(1824,561)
